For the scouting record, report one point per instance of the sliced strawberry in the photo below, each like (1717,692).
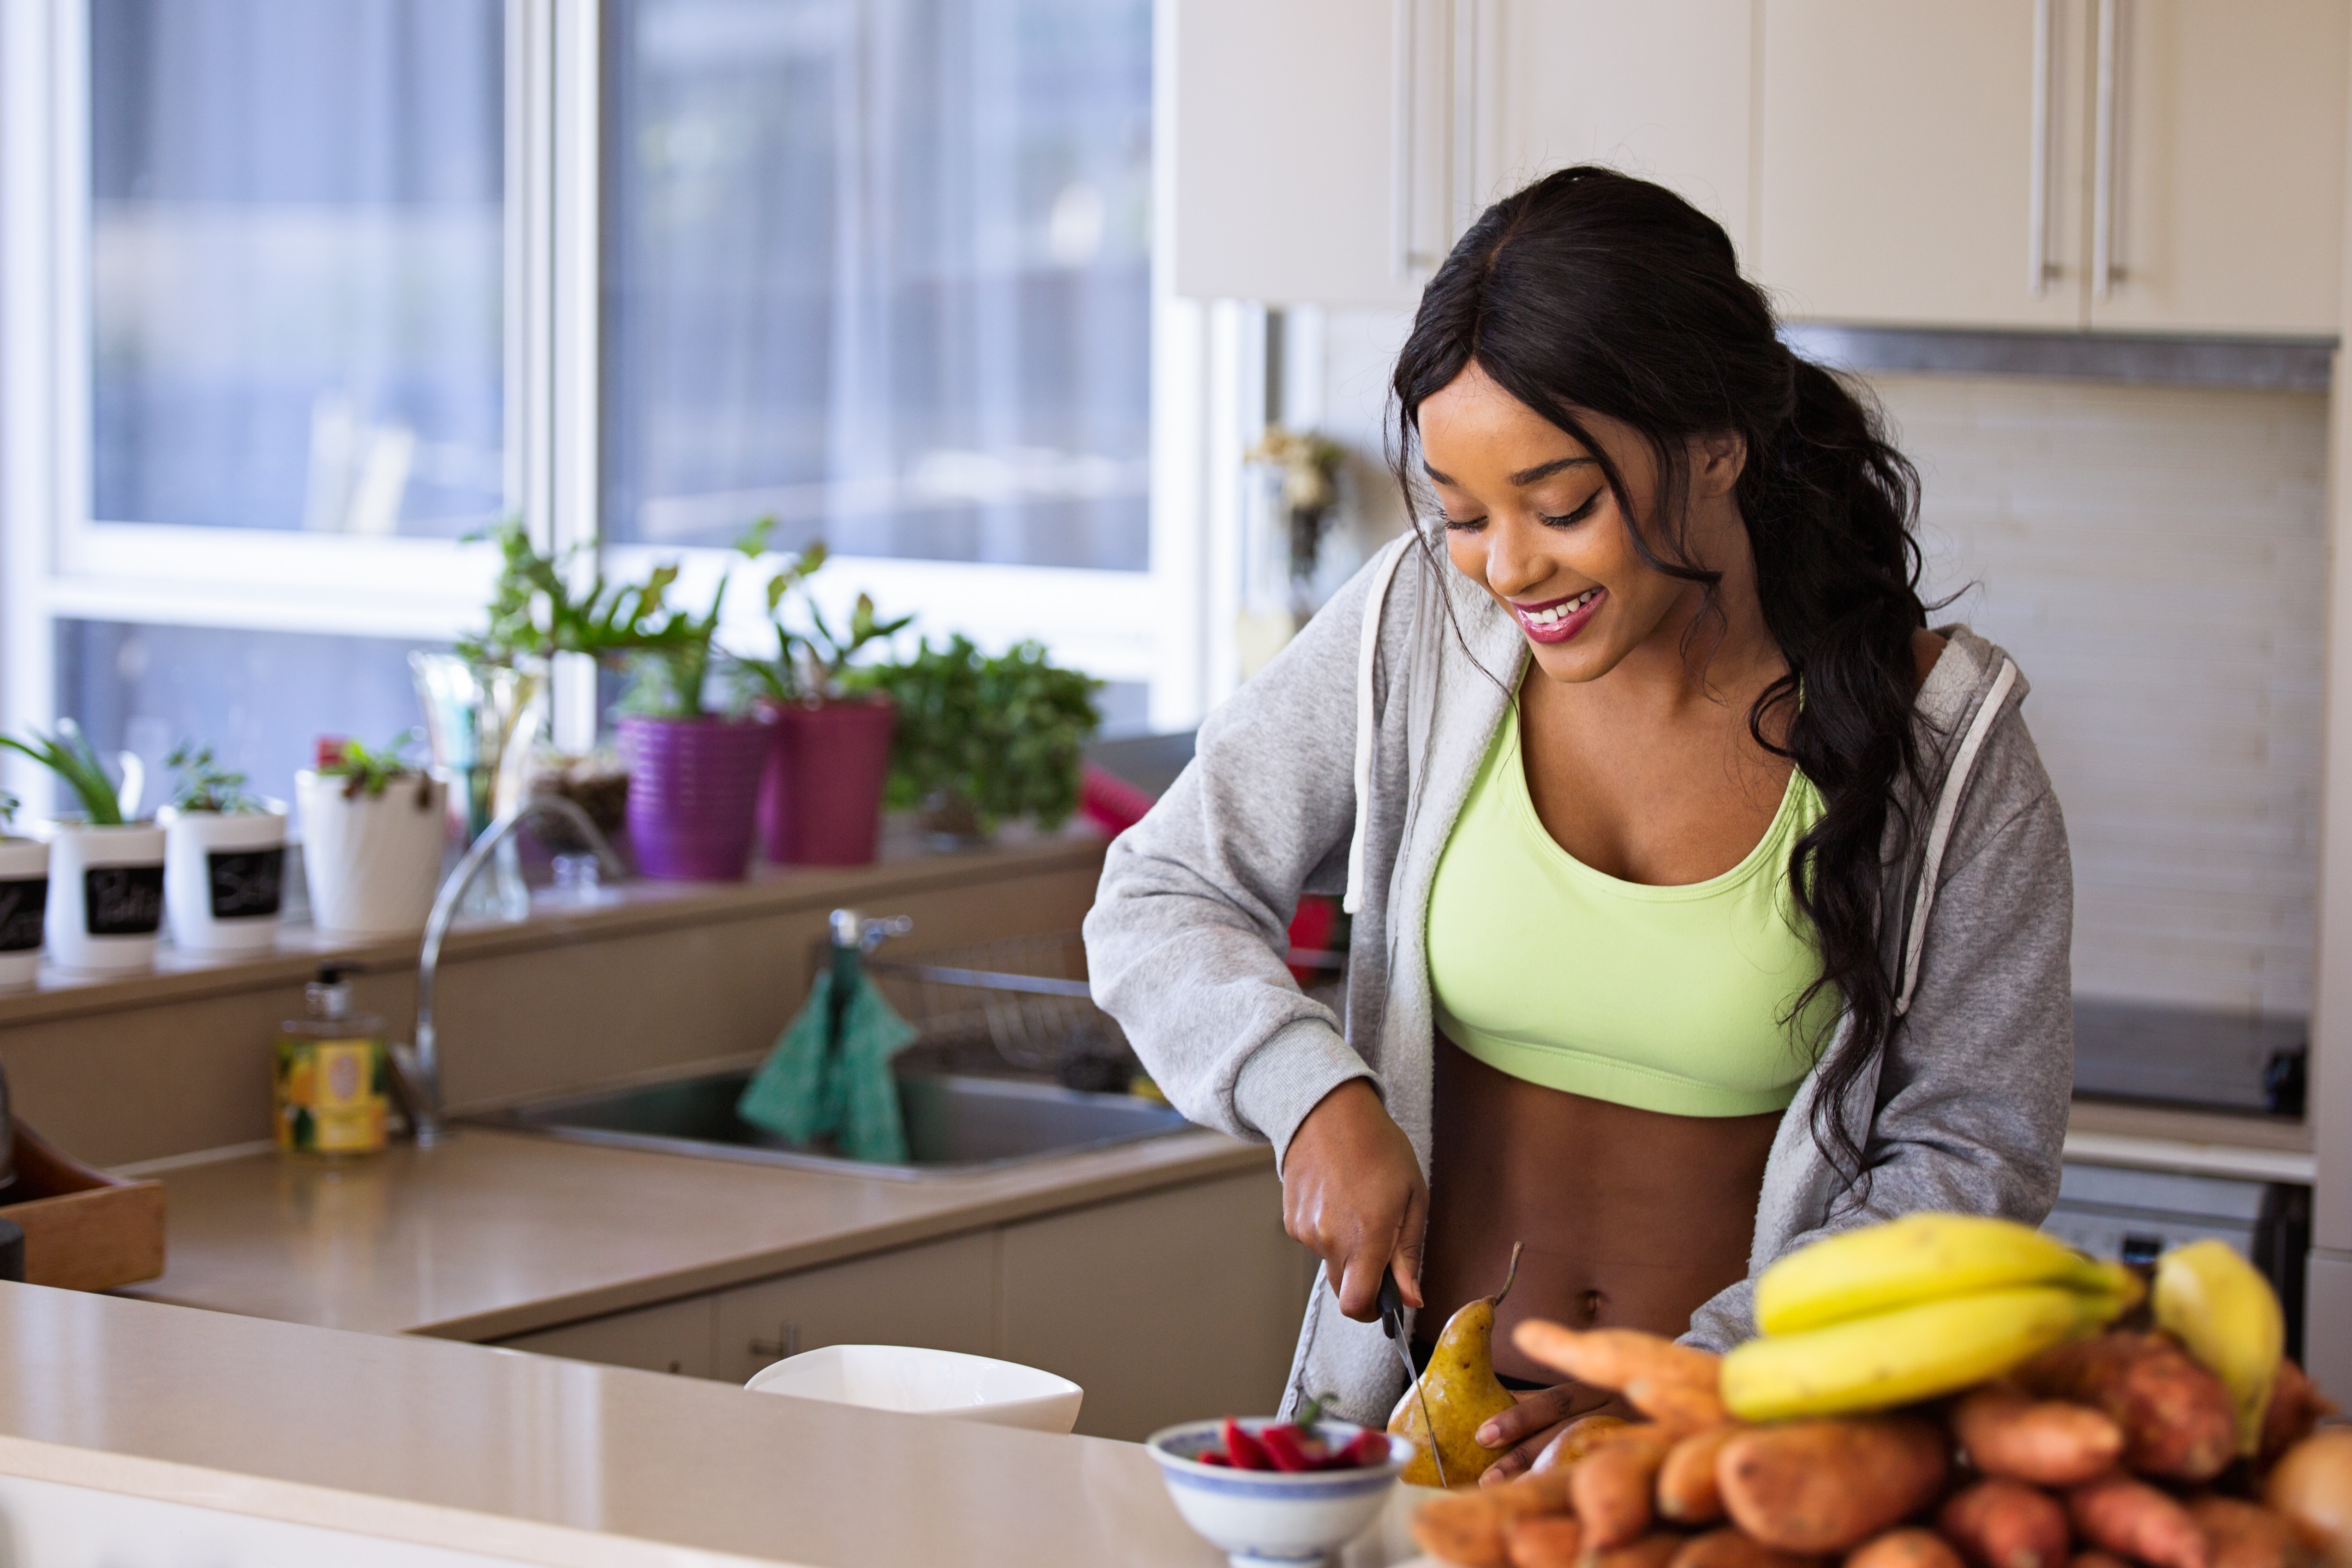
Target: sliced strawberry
(1292,1450)
(1243,1452)
(1363,1450)
(1213,1456)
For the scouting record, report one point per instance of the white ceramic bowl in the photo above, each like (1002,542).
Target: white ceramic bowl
(1263,1518)
(927,1383)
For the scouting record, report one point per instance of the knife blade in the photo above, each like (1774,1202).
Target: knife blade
(1391,1305)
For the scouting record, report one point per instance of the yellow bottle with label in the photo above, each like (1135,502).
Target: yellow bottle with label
(334,1075)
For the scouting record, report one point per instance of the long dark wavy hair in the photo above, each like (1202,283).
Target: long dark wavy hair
(1591,292)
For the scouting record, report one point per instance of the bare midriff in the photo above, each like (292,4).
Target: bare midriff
(1631,1218)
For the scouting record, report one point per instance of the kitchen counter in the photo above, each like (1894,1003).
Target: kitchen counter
(494,1233)
(548,1461)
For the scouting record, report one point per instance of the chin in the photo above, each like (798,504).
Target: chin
(1573,661)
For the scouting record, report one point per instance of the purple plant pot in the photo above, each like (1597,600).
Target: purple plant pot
(693,784)
(821,798)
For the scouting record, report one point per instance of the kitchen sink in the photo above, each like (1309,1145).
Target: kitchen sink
(955,1124)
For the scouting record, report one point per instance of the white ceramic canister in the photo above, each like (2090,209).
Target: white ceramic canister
(372,862)
(24,895)
(106,895)
(224,877)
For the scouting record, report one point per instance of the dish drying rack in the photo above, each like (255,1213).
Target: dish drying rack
(1025,995)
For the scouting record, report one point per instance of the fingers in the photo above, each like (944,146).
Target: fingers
(1537,1411)
(1360,1285)
(1521,1457)
(1404,1258)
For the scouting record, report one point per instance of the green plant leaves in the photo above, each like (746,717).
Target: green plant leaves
(67,755)
(1004,732)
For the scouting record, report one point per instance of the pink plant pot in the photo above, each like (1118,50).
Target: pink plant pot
(821,798)
(693,786)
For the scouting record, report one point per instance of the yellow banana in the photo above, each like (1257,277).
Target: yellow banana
(1918,1258)
(1909,1354)
(2219,1306)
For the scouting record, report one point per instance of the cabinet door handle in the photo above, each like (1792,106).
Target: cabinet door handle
(2040,269)
(1402,70)
(2107,254)
(786,1343)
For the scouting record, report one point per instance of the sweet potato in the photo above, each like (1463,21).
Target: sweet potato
(2002,1523)
(2174,1414)
(1615,1359)
(2312,1486)
(1681,1404)
(2132,1519)
(1465,1528)
(1727,1548)
(2098,1560)
(2296,1407)
(2050,1442)
(1611,1487)
(1576,1440)
(1686,1490)
(1546,1540)
(1908,1548)
(1827,1486)
(2241,1534)
(1653,1551)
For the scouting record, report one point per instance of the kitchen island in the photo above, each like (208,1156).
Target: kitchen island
(444,1447)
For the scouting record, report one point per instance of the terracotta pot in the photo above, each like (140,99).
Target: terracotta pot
(694,784)
(820,797)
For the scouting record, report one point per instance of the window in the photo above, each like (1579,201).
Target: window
(297,297)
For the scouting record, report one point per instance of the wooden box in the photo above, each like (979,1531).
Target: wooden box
(84,1230)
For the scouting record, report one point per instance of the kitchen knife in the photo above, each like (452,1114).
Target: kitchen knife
(1392,1324)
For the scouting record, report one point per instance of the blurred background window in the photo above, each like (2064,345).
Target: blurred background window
(296,264)
(880,268)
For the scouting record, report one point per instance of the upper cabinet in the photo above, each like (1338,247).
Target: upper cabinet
(1333,150)
(2142,165)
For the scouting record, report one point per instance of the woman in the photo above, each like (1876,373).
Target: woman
(1704,900)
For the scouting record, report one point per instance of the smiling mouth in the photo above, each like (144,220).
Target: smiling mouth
(1561,618)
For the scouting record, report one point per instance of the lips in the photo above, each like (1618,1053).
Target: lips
(1558,620)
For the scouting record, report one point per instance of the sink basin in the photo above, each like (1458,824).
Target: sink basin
(955,1124)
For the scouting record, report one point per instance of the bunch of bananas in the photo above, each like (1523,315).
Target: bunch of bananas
(1920,1306)
(2226,1315)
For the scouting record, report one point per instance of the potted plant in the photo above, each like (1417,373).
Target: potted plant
(694,774)
(984,740)
(223,857)
(820,796)
(105,870)
(24,899)
(372,827)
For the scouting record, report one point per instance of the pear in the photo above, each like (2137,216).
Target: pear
(1462,1394)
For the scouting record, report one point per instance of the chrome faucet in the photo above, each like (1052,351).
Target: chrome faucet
(420,1067)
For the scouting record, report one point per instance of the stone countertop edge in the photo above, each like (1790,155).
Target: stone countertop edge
(546,1460)
(638,905)
(234,1248)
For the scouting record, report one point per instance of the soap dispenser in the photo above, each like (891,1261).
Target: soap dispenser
(334,1074)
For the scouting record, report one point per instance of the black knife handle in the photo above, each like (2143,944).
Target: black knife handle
(1391,1305)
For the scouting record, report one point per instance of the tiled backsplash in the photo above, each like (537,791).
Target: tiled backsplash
(2155,559)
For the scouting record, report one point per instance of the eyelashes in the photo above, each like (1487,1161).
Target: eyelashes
(1472,525)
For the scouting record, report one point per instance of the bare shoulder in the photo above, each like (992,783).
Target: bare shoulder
(1926,649)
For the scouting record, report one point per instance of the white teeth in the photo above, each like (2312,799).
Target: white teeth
(1560,613)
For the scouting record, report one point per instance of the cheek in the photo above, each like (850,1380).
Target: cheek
(1468,551)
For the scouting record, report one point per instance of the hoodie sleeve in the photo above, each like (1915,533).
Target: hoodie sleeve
(1185,940)
(1973,1092)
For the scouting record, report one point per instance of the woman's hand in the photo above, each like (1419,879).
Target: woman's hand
(1532,1427)
(1352,1194)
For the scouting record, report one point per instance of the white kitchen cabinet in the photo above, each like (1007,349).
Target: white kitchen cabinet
(1171,1307)
(1312,146)
(940,1295)
(1900,140)
(1661,89)
(2127,165)
(2225,204)
(672,1336)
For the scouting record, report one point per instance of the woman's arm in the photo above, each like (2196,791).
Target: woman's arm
(1973,1095)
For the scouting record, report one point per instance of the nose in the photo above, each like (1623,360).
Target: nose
(1514,564)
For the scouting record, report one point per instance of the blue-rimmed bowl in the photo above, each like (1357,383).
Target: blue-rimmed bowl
(1264,1518)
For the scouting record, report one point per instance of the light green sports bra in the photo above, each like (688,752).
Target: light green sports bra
(1666,999)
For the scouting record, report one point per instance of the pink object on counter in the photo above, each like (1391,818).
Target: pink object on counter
(1111,802)
(821,794)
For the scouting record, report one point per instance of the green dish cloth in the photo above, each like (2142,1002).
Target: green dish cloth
(804,1092)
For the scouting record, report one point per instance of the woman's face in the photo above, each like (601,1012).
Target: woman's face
(1529,517)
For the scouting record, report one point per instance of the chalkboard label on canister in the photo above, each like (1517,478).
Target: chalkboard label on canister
(21,903)
(247,884)
(122,900)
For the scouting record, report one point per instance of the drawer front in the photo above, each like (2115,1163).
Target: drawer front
(939,1296)
(672,1337)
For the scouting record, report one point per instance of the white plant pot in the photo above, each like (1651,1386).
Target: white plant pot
(106,895)
(224,877)
(372,862)
(24,895)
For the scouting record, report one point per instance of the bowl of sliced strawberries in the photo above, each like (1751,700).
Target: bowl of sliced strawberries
(1273,1491)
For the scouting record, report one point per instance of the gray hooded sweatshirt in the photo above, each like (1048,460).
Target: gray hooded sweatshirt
(1340,769)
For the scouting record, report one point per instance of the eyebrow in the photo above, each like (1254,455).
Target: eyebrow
(1521,479)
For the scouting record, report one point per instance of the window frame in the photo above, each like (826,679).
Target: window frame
(58,562)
